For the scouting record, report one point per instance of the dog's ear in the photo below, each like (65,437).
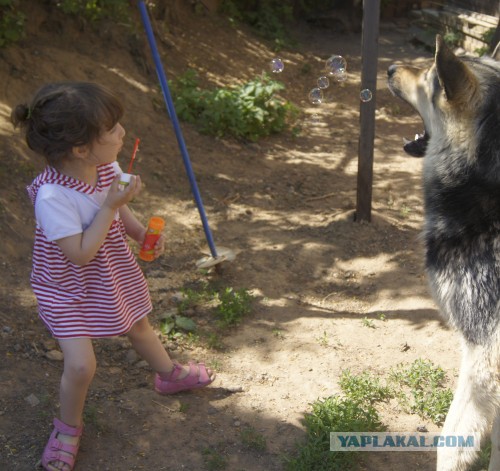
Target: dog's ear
(496,52)
(458,82)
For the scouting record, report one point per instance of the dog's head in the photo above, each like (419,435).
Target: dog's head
(449,95)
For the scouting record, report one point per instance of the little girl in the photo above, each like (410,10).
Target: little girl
(85,277)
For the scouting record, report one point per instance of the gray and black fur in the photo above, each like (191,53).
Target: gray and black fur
(458,99)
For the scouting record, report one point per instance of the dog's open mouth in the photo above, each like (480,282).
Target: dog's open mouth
(418,146)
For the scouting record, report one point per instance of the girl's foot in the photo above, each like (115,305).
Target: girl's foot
(62,447)
(183,378)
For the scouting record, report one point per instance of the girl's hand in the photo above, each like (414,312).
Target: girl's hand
(117,197)
(160,246)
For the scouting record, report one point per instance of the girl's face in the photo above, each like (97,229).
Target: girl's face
(105,149)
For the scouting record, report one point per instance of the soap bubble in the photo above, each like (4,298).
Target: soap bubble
(365,95)
(340,76)
(277,65)
(323,82)
(316,96)
(335,65)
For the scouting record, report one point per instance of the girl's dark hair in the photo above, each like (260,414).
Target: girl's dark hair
(66,115)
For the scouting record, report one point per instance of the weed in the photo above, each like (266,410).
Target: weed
(213,459)
(368,323)
(428,397)
(278,334)
(214,341)
(382,316)
(323,340)
(333,414)
(11,23)
(364,387)
(233,305)
(251,438)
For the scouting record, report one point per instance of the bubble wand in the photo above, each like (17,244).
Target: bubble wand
(134,152)
(125,177)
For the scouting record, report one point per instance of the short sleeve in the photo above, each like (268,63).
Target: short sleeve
(56,214)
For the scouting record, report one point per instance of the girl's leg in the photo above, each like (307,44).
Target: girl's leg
(79,369)
(148,346)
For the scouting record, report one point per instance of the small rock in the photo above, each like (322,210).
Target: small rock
(422,428)
(236,423)
(55,355)
(7,329)
(142,364)
(131,356)
(32,400)
(114,370)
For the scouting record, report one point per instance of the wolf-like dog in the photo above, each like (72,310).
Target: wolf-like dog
(458,98)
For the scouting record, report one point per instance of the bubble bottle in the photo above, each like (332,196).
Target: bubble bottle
(153,232)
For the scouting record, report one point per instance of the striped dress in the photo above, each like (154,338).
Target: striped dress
(106,296)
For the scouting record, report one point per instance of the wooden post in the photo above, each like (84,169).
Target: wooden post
(369,60)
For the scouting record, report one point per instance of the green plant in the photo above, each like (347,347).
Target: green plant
(213,459)
(267,18)
(253,439)
(233,305)
(364,387)
(333,414)
(95,10)
(428,397)
(11,22)
(368,323)
(250,111)
(453,38)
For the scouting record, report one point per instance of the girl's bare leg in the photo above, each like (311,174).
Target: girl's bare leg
(79,369)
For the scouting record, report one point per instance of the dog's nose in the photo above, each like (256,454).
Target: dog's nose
(391,70)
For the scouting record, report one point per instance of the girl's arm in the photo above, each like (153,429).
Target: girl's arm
(137,231)
(133,227)
(81,248)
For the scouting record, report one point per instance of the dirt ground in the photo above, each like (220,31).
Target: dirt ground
(284,205)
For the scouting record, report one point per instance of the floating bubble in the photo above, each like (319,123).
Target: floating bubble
(340,76)
(365,95)
(277,65)
(323,82)
(316,96)
(336,65)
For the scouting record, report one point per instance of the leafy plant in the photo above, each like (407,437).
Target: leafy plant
(213,459)
(364,387)
(428,397)
(95,10)
(11,22)
(249,112)
(333,414)
(233,305)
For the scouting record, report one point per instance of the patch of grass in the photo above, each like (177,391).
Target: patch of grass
(233,305)
(333,414)
(213,459)
(253,439)
(364,387)
(422,390)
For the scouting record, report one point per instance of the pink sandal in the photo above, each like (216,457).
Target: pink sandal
(197,377)
(55,450)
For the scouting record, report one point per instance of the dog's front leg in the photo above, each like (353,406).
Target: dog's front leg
(472,409)
(495,446)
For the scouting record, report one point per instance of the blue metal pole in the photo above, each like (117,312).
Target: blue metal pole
(175,122)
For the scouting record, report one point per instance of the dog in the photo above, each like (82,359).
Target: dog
(458,99)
